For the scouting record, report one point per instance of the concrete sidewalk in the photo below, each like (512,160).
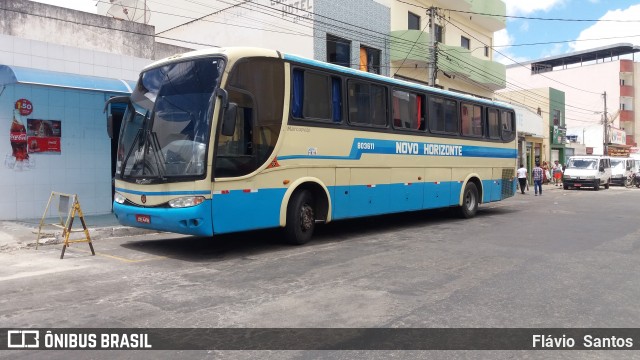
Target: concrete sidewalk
(19,234)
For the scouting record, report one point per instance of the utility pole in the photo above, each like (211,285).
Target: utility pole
(432,47)
(606,127)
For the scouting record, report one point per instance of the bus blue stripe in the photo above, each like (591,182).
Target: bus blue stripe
(163,193)
(362,146)
(239,211)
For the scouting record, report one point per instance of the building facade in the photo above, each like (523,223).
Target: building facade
(350,33)
(599,93)
(549,105)
(461,57)
(52,95)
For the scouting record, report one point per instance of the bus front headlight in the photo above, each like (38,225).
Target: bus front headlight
(186,201)
(119,198)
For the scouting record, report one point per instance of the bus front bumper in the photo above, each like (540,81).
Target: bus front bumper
(193,220)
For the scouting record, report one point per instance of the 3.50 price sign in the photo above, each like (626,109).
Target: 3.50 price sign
(24,106)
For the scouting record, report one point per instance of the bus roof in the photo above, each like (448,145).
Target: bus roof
(241,51)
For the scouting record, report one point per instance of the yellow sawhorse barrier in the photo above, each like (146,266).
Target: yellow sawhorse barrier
(70,205)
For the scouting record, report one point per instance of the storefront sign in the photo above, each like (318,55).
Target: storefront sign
(44,135)
(617,136)
(24,107)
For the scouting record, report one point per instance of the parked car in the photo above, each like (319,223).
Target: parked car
(621,169)
(587,171)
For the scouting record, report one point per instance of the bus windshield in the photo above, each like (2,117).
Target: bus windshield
(588,164)
(165,131)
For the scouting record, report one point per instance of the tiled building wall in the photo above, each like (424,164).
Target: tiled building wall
(82,167)
(15,51)
(363,22)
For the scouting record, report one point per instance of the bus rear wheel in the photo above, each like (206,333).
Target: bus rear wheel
(301,220)
(469,201)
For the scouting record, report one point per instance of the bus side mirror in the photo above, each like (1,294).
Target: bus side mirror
(114,100)
(229,120)
(601,168)
(110,126)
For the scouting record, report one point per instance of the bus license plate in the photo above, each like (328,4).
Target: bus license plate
(145,219)
(578,185)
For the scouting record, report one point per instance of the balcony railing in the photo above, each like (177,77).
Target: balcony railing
(460,62)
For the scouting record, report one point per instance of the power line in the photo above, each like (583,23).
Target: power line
(523,17)
(516,62)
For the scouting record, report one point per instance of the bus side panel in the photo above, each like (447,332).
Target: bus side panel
(437,188)
(487,186)
(496,187)
(369,192)
(246,209)
(407,191)
(341,200)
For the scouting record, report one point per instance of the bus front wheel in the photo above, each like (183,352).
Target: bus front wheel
(301,218)
(469,201)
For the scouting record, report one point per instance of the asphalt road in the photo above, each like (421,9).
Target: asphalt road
(565,259)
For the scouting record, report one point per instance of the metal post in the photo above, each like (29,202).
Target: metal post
(606,126)
(432,46)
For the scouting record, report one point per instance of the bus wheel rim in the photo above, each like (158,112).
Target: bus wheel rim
(306,217)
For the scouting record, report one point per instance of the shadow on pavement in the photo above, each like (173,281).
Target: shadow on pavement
(252,243)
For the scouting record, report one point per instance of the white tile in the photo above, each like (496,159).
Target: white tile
(71,53)
(72,67)
(85,56)
(56,65)
(23,46)
(22,60)
(6,58)
(24,210)
(39,62)
(115,73)
(101,71)
(38,48)
(6,43)
(130,75)
(115,60)
(139,64)
(55,51)
(100,58)
(85,69)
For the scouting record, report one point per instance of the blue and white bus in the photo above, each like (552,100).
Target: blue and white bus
(234,139)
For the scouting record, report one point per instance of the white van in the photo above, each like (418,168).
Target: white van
(587,171)
(621,168)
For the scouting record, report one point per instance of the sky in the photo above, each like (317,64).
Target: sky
(557,37)
(560,37)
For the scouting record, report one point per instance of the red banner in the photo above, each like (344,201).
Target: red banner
(44,135)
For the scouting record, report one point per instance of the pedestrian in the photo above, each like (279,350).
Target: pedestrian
(557,173)
(538,176)
(522,177)
(547,175)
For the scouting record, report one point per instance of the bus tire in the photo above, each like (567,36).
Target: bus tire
(469,201)
(301,218)
(606,186)
(596,187)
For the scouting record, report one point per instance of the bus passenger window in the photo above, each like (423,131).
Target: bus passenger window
(493,124)
(436,114)
(316,96)
(367,104)
(508,126)
(451,117)
(407,111)
(471,116)
(443,116)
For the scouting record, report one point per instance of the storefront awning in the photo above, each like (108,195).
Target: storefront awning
(21,75)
